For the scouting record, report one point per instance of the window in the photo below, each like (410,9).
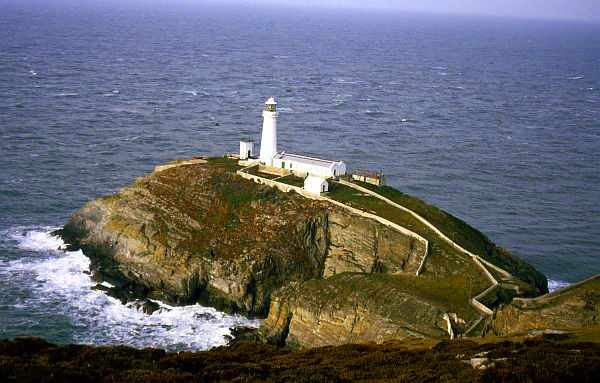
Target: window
(283,164)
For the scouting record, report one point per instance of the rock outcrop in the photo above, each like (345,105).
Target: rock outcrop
(572,308)
(197,232)
(200,233)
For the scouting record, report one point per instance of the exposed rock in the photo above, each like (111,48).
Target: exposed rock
(146,306)
(360,245)
(354,308)
(200,233)
(572,308)
(197,232)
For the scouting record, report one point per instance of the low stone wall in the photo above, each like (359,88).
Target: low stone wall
(279,185)
(174,164)
(556,293)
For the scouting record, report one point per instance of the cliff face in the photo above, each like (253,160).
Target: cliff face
(201,233)
(319,273)
(569,309)
(354,308)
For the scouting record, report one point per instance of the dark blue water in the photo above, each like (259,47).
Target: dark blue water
(496,121)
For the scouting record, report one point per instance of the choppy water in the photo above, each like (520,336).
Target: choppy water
(496,121)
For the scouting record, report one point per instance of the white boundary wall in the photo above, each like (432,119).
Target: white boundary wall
(476,258)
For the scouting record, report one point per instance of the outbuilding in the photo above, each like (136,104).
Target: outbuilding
(316,185)
(246,149)
(309,165)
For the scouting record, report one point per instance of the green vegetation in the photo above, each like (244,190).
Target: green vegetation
(254,171)
(229,164)
(444,260)
(292,180)
(382,293)
(454,228)
(548,360)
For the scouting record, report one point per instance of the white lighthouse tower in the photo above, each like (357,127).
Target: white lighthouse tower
(268,141)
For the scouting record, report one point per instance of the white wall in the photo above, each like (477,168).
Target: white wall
(315,185)
(321,171)
(245,147)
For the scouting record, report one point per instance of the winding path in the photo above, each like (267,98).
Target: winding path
(479,261)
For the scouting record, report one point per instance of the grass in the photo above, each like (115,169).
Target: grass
(454,228)
(383,293)
(254,171)
(228,164)
(292,180)
(444,261)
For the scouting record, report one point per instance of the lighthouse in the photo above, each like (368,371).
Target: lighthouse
(268,142)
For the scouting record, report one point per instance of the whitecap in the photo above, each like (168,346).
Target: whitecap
(61,284)
(576,77)
(66,94)
(35,240)
(33,73)
(191,92)
(554,285)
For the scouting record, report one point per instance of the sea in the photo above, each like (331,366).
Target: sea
(495,120)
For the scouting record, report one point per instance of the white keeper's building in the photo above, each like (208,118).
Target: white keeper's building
(315,170)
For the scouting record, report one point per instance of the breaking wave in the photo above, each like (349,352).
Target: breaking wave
(60,283)
(554,285)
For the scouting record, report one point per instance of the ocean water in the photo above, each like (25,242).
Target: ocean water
(496,121)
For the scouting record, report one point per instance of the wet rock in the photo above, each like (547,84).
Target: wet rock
(146,306)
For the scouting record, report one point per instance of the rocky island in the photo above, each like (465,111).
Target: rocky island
(394,287)
(320,274)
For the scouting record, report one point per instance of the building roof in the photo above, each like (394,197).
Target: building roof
(305,159)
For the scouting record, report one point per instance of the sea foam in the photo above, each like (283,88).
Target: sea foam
(60,283)
(554,285)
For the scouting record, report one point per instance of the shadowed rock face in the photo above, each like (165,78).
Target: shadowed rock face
(319,273)
(569,309)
